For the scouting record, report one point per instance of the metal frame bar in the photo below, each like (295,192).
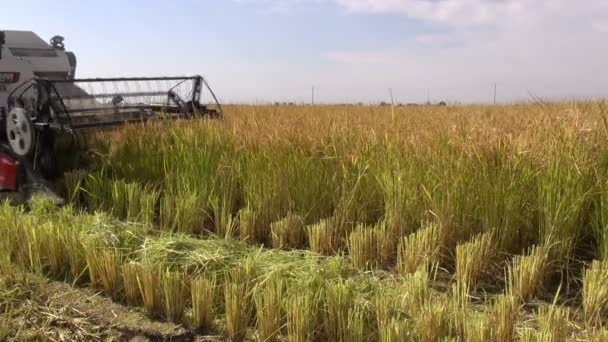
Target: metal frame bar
(61,118)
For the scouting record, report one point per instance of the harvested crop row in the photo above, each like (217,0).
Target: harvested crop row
(239,290)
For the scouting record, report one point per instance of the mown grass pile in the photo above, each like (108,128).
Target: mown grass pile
(455,207)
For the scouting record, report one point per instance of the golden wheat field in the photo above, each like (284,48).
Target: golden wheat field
(324,223)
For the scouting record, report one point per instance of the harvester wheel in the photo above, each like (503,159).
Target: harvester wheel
(20,132)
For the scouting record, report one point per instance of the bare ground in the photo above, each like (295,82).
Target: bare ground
(32,309)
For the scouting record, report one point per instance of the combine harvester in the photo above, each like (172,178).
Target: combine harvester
(43,104)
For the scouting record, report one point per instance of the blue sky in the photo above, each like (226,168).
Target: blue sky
(349,50)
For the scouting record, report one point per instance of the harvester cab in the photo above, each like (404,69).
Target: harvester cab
(41,99)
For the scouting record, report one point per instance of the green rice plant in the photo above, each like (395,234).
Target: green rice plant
(181,212)
(400,183)
(563,195)
(174,294)
(474,259)
(120,201)
(357,324)
(386,246)
(134,193)
(526,274)
(98,191)
(360,199)
(595,292)
(130,274)
(268,301)
(251,228)
(507,187)
(363,247)
(150,290)
(6,267)
(148,200)
(73,182)
(451,192)
(28,242)
(309,178)
(502,318)
(134,202)
(203,291)
(323,237)
(288,232)
(600,218)
(264,192)
(225,222)
(224,197)
(419,249)
(74,249)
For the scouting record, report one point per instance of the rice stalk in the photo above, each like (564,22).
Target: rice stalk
(268,301)
(363,247)
(339,303)
(238,301)
(150,290)
(357,324)
(476,328)
(288,232)
(322,237)
(502,318)
(104,267)
(130,274)
(301,311)
(422,248)
(595,292)
(433,321)
(474,259)
(397,330)
(203,298)
(553,324)
(175,293)
(73,182)
(526,274)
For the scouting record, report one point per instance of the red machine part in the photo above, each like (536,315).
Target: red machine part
(8,173)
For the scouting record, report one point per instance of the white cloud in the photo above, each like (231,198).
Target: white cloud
(553,48)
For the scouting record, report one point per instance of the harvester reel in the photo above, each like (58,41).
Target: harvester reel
(20,132)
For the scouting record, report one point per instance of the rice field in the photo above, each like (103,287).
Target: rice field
(341,223)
